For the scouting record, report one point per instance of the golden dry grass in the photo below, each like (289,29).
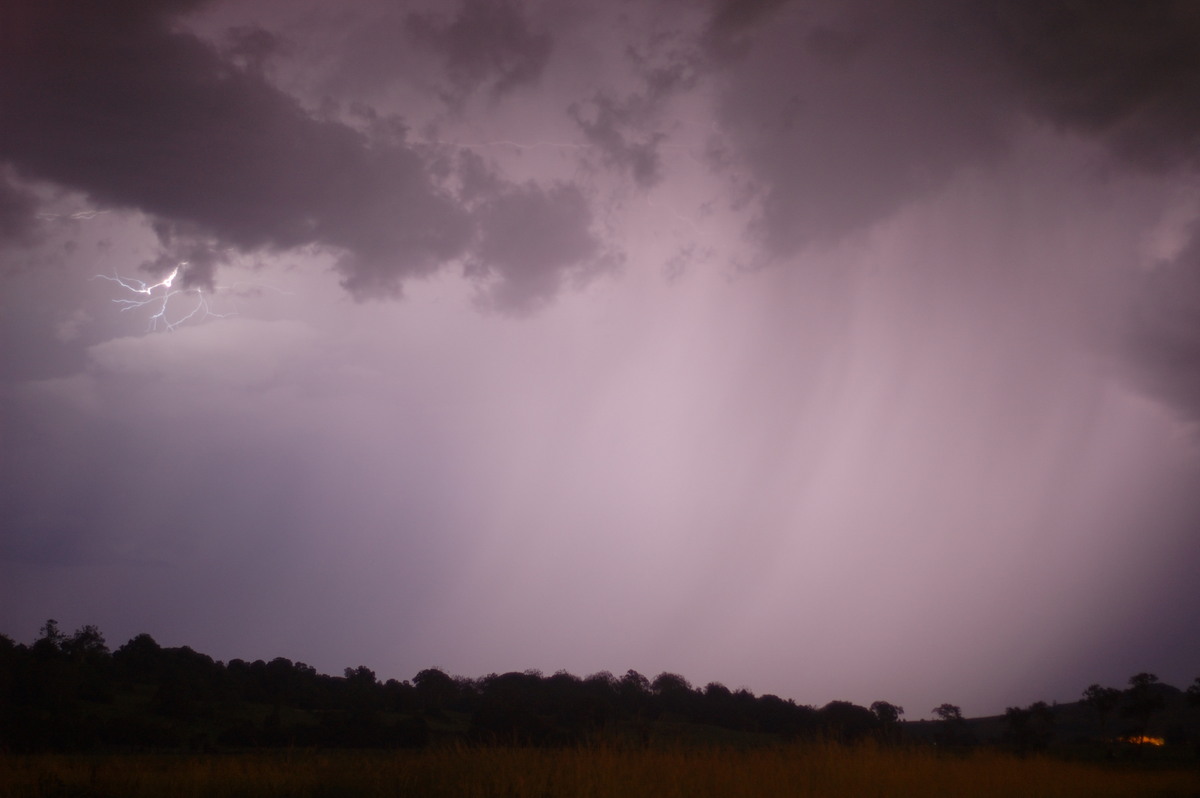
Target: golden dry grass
(824,771)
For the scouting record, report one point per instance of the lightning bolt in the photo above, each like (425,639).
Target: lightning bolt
(528,145)
(49,217)
(161,302)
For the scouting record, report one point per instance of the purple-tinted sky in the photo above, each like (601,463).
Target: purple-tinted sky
(839,350)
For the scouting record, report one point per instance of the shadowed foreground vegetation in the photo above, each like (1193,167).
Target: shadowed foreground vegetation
(828,770)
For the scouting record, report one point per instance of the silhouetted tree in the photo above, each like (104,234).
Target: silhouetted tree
(49,685)
(362,676)
(785,718)
(91,663)
(1103,701)
(514,708)
(399,696)
(1029,729)
(720,707)
(435,690)
(601,689)
(674,694)
(635,682)
(1142,700)
(633,694)
(87,642)
(578,709)
(140,660)
(280,682)
(952,729)
(1193,700)
(189,685)
(889,720)
(11,659)
(361,691)
(847,722)
(50,639)
(887,713)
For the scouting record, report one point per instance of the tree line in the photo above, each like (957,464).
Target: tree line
(70,692)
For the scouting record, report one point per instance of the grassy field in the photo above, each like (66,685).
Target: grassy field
(828,771)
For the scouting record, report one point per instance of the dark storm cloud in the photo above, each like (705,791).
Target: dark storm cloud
(846,117)
(1126,73)
(1163,334)
(122,106)
(528,238)
(17,212)
(666,64)
(120,103)
(726,35)
(1128,76)
(252,47)
(526,234)
(487,45)
(884,102)
(198,256)
(625,128)
(606,124)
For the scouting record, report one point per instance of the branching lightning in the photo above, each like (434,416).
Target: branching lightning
(162,301)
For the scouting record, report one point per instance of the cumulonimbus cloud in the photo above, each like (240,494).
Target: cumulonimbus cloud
(121,103)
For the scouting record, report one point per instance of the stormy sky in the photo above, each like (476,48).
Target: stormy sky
(837,350)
